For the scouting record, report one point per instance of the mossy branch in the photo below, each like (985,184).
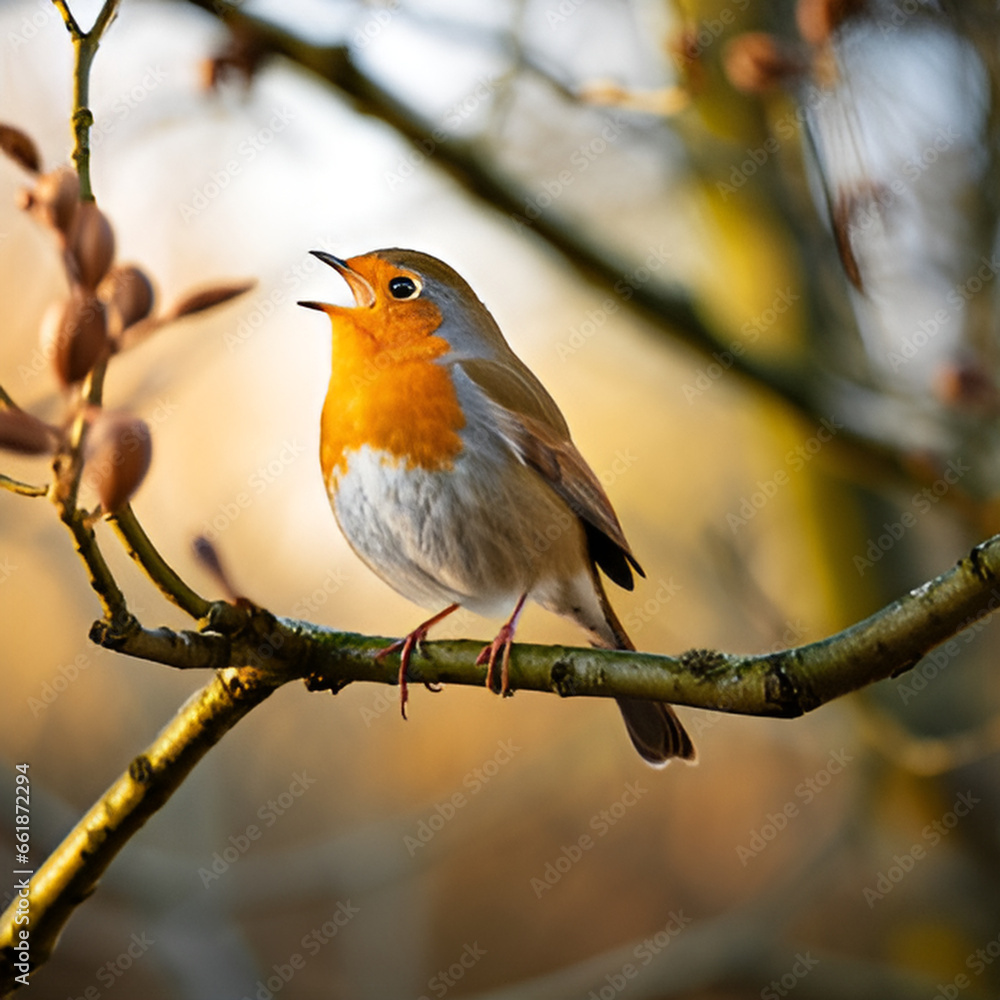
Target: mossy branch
(70,874)
(255,652)
(786,683)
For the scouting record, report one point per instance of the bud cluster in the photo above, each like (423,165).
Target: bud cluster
(107,309)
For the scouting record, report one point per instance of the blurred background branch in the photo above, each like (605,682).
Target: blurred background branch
(802,195)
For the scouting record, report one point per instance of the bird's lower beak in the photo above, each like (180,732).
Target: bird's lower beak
(364,294)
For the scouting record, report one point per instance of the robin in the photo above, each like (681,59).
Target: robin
(452,474)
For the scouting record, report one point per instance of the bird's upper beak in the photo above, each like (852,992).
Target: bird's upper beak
(364,294)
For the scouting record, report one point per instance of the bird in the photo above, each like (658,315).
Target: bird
(452,474)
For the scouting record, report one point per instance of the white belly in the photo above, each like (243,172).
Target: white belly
(477,537)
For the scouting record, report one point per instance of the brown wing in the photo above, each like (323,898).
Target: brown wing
(530,421)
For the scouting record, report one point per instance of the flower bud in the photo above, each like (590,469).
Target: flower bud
(75,336)
(128,294)
(205,298)
(756,62)
(965,385)
(21,432)
(55,198)
(117,456)
(92,244)
(20,147)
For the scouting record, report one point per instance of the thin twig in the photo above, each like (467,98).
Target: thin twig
(138,545)
(807,387)
(69,463)
(24,489)
(67,15)
(102,580)
(85,45)
(272,651)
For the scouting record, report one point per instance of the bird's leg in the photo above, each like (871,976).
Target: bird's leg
(503,641)
(405,649)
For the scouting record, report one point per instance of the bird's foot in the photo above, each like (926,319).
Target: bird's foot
(503,641)
(405,648)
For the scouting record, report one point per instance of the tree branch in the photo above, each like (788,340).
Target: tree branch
(277,650)
(475,169)
(24,489)
(138,545)
(102,580)
(71,873)
(786,684)
(253,652)
(805,385)
(85,46)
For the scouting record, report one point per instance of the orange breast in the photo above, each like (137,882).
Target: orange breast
(390,394)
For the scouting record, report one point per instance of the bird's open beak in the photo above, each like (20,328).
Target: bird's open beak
(364,294)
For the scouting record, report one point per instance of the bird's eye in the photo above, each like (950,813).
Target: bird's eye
(404,288)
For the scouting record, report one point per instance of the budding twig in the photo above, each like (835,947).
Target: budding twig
(85,45)
(266,652)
